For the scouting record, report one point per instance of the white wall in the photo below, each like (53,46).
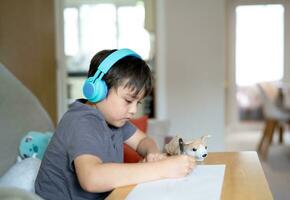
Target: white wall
(192,60)
(287,44)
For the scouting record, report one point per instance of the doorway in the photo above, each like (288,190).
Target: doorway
(256,54)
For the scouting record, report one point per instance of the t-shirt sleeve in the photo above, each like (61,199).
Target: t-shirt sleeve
(128,130)
(86,139)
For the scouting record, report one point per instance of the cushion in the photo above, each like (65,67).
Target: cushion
(12,193)
(130,155)
(141,123)
(22,174)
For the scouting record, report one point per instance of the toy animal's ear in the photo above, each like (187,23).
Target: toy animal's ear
(204,138)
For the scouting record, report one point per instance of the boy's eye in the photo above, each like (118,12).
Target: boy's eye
(128,101)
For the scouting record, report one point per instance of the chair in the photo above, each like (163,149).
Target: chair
(275,117)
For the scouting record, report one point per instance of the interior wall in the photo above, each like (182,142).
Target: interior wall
(27,47)
(195,63)
(160,97)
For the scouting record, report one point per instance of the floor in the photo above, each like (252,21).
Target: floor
(276,167)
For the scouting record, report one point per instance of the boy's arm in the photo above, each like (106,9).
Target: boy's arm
(95,176)
(143,144)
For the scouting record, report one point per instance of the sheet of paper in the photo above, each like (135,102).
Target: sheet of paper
(204,183)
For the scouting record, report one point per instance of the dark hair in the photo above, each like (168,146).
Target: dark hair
(133,72)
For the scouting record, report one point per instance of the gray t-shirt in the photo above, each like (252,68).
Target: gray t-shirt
(82,130)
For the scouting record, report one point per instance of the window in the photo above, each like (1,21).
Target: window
(90,28)
(259,54)
(259,43)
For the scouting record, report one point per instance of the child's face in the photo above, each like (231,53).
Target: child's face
(119,106)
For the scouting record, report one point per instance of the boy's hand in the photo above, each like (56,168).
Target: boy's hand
(177,166)
(151,157)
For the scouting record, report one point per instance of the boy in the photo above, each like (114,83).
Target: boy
(84,158)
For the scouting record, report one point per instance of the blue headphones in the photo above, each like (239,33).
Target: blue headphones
(95,89)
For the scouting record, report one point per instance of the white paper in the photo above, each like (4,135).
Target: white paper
(204,183)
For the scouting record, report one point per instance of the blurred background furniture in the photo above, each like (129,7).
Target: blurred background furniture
(276,116)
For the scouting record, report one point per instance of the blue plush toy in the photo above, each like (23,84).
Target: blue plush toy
(34,144)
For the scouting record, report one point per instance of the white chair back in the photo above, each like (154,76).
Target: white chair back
(270,109)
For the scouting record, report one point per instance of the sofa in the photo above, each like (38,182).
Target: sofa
(20,112)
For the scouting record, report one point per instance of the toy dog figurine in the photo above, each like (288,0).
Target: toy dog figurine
(196,148)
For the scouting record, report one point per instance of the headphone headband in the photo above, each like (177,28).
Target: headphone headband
(111,59)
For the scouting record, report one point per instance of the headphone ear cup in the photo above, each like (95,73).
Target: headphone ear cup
(101,91)
(95,91)
(89,89)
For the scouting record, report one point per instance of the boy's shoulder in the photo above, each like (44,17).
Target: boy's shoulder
(79,117)
(80,110)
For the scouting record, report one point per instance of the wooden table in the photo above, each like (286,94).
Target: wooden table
(244,177)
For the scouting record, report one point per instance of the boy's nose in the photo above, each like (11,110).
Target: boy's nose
(133,109)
